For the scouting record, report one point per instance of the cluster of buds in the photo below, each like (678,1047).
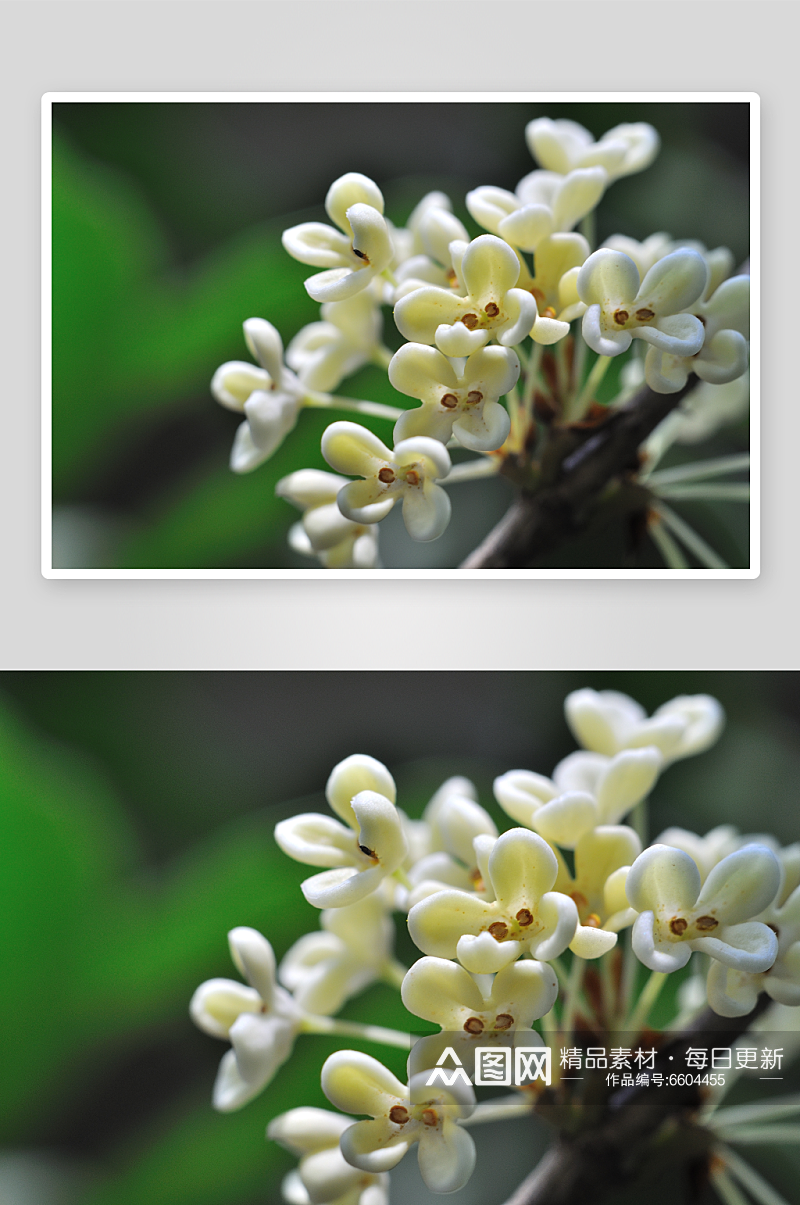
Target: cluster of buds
(495,916)
(478,315)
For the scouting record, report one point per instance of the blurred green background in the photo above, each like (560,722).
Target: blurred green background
(166,236)
(136,818)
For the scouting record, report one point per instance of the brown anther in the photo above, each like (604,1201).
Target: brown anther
(452,279)
(503,1021)
(430,1117)
(412,477)
(592,921)
(360,254)
(470,321)
(398,1114)
(704,923)
(492,310)
(678,925)
(474,396)
(449,401)
(579,899)
(264,1008)
(499,930)
(365,849)
(473,1025)
(386,476)
(548,312)
(645,315)
(621,317)
(525,917)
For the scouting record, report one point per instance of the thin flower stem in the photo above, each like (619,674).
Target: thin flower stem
(550,1028)
(759,1135)
(726,1189)
(689,537)
(762,1110)
(500,1109)
(640,821)
(607,991)
(394,973)
(750,1179)
(355,1029)
(629,965)
(587,229)
(471,470)
(562,373)
(647,999)
(562,974)
(698,469)
(329,401)
(578,408)
(574,982)
(382,356)
(673,557)
(727,491)
(532,379)
(579,350)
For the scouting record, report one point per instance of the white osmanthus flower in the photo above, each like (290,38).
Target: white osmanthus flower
(563,145)
(586,790)
(446,994)
(492,306)
(705,851)
(360,853)
(519,913)
(543,204)
(323,1177)
(724,354)
(409,473)
(324,969)
(645,253)
(260,1021)
(399,1117)
(324,532)
(270,397)
(603,858)
(554,283)
(349,336)
(456,401)
(621,307)
(733,992)
(353,255)
(678,914)
(608,721)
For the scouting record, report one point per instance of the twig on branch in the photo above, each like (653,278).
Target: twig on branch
(585,1166)
(538,522)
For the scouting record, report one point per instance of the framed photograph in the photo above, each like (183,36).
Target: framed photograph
(400,335)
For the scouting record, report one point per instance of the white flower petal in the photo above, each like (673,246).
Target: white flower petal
(352,775)
(217,1003)
(254,958)
(446,1157)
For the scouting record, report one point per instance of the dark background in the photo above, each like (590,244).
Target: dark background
(167,223)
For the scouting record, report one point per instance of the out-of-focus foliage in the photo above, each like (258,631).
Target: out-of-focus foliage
(136,817)
(166,236)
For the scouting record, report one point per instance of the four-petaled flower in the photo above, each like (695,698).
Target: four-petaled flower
(608,721)
(339,543)
(587,789)
(563,145)
(518,913)
(677,915)
(349,335)
(260,1021)
(401,1116)
(270,397)
(491,307)
(543,204)
(603,858)
(360,853)
(446,994)
(352,258)
(724,354)
(410,473)
(622,308)
(465,404)
(323,1177)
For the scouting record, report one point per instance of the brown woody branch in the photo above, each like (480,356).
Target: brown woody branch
(585,1166)
(538,522)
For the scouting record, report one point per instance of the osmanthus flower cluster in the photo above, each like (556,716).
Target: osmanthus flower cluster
(529,934)
(506,335)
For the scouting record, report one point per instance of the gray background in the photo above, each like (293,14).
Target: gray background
(412,46)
